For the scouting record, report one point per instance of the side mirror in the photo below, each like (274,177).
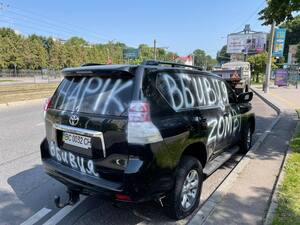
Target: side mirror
(245,97)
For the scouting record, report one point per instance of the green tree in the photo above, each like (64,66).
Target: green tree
(258,65)
(279,11)
(56,54)
(199,57)
(12,48)
(210,62)
(298,53)
(292,33)
(76,51)
(203,60)
(222,55)
(36,52)
(38,56)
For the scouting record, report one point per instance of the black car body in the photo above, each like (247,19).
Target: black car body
(126,128)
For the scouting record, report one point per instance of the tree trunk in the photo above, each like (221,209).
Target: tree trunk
(257,78)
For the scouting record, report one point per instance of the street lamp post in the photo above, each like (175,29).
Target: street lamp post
(269,63)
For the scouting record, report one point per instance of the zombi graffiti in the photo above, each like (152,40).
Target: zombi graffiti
(223,127)
(185,91)
(94,94)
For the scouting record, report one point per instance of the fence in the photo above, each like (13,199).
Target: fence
(294,76)
(29,76)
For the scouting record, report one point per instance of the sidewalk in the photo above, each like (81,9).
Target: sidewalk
(286,98)
(248,198)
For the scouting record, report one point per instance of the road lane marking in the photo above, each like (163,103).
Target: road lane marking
(37,216)
(61,214)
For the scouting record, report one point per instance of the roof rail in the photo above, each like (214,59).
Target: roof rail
(173,64)
(91,64)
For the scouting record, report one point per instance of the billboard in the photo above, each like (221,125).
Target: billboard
(281,77)
(279,40)
(246,43)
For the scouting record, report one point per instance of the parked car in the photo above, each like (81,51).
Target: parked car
(143,132)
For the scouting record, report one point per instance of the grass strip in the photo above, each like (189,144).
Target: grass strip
(288,209)
(25,92)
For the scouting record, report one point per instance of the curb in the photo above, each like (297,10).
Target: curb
(9,104)
(274,198)
(210,204)
(271,104)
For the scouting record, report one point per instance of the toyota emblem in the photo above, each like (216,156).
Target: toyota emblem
(73,120)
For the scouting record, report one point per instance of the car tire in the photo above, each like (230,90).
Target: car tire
(246,139)
(185,196)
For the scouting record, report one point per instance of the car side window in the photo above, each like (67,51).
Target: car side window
(176,88)
(231,94)
(183,90)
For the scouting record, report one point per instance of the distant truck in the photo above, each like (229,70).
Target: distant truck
(238,74)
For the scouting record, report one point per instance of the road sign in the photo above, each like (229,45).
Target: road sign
(131,53)
(279,40)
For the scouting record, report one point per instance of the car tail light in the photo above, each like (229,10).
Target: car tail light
(140,129)
(47,104)
(123,197)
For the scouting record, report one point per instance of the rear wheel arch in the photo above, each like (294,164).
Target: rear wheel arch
(197,150)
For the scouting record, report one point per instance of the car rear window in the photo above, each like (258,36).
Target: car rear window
(97,95)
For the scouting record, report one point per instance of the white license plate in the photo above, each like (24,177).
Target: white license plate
(77,140)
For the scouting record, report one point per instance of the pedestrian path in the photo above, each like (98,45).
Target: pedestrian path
(246,198)
(286,98)
(247,201)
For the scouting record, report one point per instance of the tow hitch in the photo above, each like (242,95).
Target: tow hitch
(73,199)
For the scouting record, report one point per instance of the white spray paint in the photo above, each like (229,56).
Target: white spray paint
(223,127)
(184,91)
(85,166)
(106,94)
(190,91)
(174,92)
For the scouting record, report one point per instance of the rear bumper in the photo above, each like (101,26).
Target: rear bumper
(137,181)
(76,180)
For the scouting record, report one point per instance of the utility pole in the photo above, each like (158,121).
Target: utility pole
(154,49)
(269,63)
(246,30)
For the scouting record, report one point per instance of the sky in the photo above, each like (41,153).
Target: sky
(181,26)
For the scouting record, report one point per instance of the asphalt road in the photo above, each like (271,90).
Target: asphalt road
(25,190)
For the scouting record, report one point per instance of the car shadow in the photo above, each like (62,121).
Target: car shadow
(246,213)
(33,190)
(26,193)
(152,212)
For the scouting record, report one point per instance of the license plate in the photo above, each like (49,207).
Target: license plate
(77,140)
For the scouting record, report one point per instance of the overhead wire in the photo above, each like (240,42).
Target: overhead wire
(74,29)
(250,16)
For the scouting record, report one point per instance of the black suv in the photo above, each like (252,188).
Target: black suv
(143,132)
